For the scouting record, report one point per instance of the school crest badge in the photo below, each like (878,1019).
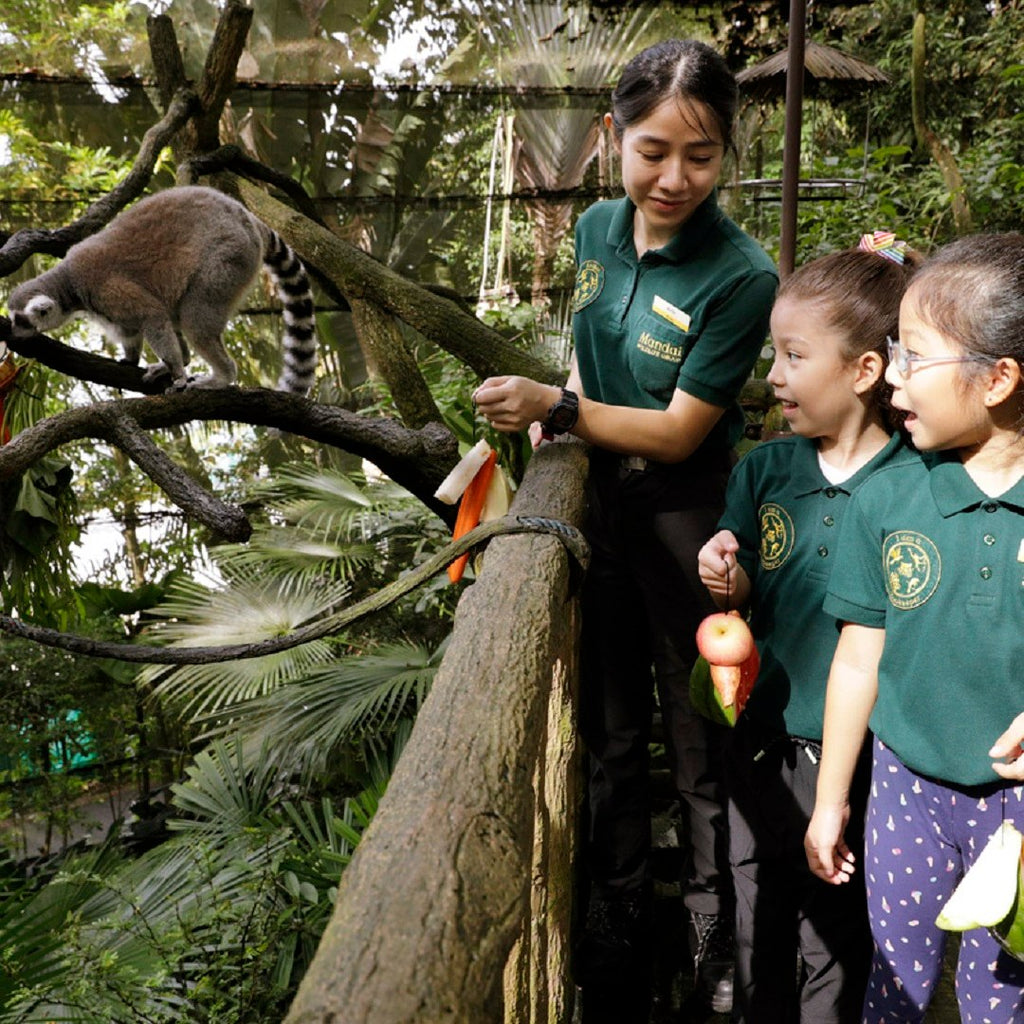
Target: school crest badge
(589,282)
(777,535)
(912,568)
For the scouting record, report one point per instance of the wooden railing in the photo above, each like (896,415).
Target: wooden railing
(457,904)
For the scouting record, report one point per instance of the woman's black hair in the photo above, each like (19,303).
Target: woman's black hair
(676,68)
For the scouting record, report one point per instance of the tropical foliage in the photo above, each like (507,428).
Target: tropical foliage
(216,924)
(271,767)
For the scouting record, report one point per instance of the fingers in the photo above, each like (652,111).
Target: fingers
(832,864)
(1010,747)
(828,856)
(1009,744)
(485,389)
(717,560)
(1013,770)
(510,404)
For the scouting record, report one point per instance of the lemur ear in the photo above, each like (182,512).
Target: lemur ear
(39,306)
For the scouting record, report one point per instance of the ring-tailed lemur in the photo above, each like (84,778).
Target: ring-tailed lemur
(174,267)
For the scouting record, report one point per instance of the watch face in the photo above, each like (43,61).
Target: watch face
(563,416)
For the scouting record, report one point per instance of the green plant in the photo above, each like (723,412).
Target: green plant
(216,925)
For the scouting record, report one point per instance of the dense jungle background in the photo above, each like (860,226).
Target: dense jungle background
(454,143)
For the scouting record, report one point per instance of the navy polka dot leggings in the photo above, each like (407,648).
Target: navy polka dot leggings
(921,836)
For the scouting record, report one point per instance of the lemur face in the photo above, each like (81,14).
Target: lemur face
(39,314)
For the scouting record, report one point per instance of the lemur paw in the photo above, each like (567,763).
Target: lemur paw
(155,370)
(208,382)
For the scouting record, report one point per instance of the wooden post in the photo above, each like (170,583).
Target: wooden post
(470,852)
(791,143)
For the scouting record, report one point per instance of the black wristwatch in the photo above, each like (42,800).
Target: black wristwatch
(561,416)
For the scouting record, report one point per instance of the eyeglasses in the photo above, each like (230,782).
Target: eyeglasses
(904,361)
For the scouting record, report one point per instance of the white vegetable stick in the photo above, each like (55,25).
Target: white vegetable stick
(459,478)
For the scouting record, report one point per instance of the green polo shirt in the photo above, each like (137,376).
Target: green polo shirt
(939,565)
(692,315)
(786,517)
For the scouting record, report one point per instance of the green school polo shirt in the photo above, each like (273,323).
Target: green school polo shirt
(692,315)
(939,565)
(786,517)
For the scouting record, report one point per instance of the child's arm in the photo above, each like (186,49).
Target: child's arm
(1010,745)
(852,689)
(726,580)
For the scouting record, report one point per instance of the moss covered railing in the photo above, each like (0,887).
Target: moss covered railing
(457,903)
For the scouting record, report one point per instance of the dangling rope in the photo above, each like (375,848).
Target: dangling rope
(568,535)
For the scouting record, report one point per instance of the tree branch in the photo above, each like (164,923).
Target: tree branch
(417,460)
(360,276)
(330,625)
(388,358)
(166,55)
(219,72)
(232,158)
(23,244)
(82,365)
(228,521)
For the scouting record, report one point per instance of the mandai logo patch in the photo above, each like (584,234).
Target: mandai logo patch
(589,282)
(912,568)
(777,535)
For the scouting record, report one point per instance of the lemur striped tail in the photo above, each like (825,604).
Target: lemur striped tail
(289,274)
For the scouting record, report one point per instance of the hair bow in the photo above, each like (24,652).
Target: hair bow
(885,243)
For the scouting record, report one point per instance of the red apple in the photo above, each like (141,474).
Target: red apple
(724,638)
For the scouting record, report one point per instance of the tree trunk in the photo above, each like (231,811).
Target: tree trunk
(439,889)
(927,139)
(389,360)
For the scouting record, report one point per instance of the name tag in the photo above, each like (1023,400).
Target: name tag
(673,314)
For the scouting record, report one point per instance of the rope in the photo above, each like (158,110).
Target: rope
(568,535)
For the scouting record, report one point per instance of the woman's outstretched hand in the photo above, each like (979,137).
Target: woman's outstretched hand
(510,404)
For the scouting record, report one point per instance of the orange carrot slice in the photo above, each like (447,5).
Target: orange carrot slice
(470,506)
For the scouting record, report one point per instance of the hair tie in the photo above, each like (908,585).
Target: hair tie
(885,244)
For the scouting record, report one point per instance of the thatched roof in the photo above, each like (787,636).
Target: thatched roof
(827,70)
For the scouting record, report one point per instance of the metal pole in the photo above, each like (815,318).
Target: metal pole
(791,143)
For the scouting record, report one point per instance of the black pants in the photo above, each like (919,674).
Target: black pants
(781,908)
(642,602)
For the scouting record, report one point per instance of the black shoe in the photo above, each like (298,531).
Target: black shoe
(713,959)
(615,1003)
(613,961)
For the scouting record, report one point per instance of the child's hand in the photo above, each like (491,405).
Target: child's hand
(716,564)
(1010,747)
(828,856)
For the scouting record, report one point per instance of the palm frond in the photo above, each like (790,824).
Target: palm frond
(302,727)
(325,525)
(253,607)
(221,790)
